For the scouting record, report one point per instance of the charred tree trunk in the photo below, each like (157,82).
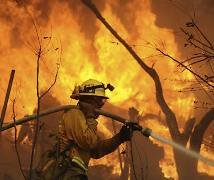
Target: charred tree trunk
(197,135)
(186,166)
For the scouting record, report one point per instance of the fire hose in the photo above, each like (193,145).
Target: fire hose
(144,131)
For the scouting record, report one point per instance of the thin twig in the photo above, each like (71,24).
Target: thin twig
(202,49)
(191,38)
(41,51)
(203,44)
(38,109)
(45,48)
(193,57)
(181,64)
(15,141)
(203,35)
(178,5)
(54,82)
(205,91)
(30,46)
(202,60)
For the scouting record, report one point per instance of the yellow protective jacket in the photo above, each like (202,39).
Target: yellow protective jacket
(83,132)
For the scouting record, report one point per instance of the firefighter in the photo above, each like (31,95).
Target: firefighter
(78,132)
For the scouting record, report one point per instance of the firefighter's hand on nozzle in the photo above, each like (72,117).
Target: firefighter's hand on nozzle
(127,130)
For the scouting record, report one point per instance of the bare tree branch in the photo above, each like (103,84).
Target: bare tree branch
(39,52)
(192,58)
(181,64)
(170,116)
(54,82)
(203,35)
(191,38)
(202,60)
(15,140)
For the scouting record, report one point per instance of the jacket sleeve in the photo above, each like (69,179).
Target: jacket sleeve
(81,131)
(105,147)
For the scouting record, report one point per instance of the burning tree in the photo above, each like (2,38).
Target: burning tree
(40,47)
(201,53)
(88,50)
(195,135)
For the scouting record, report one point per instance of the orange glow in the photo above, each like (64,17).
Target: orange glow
(107,61)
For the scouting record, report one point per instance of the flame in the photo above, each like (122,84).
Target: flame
(203,167)
(100,57)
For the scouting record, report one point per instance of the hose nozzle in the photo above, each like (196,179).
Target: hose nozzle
(146,132)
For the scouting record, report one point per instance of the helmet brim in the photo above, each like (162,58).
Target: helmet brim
(76,96)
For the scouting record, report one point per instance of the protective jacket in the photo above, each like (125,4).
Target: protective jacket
(81,133)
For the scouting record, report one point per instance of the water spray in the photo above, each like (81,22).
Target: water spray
(149,133)
(145,131)
(181,148)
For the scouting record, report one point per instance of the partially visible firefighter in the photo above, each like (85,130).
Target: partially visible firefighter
(78,140)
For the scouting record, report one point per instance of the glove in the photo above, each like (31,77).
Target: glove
(88,110)
(127,130)
(133,114)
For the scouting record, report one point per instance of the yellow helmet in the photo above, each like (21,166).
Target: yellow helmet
(91,87)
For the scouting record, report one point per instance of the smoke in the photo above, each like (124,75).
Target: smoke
(174,14)
(166,13)
(42,10)
(15,38)
(85,19)
(87,50)
(122,10)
